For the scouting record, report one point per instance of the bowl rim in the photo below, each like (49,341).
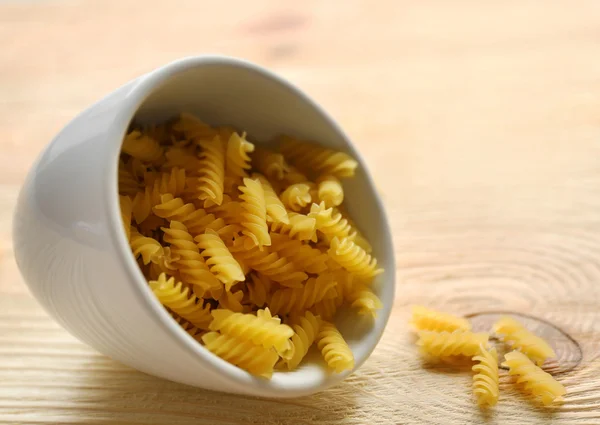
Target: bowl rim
(137,93)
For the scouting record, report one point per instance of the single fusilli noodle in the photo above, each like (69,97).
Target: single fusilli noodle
(300,227)
(520,338)
(211,172)
(219,260)
(296,196)
(276,211)
(431,320)
(310,156)
(306,328)
(142,147)
(329,223)
(353,258)
(364,299)
(179,300)
(269,163)
(285,301)
(255,359)
(254,218)
(148,248)
(329,191)
(539,383)
(334,348)
(268,332)
(458,343)
(485,380)
(237,160)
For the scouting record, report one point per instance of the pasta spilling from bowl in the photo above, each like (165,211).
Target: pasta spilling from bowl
(249,249)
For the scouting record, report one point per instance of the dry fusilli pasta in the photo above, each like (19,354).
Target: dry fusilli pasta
(458,343)
(518,337)
(334,348)
(431,320)
(485,380)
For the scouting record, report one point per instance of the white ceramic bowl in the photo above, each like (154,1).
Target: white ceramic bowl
(73,254)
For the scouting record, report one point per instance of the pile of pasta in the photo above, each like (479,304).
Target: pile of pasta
(249,249)
(448,337)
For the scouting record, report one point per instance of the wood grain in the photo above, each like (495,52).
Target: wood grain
(480,121)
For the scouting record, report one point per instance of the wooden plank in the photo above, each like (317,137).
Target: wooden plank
(480,121)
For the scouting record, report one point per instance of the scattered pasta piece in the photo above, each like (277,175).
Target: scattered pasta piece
(539,383)
(520,338)
(334,348)
(485,381)
(458,343)
(431,320)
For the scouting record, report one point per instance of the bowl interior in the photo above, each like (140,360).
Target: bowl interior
(230,92)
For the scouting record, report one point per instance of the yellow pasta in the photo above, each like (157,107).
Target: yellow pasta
(306,328)
(219,259)
(267,332)
(191,264)
(254,217)
(485,380)
(458,343)
(284,301)
(334,348)
(179,300)
(330,191)
(311,156)
(365,300)
(353,258)
(269,163)
(215,222)
(142,147)
(520,338)
(297,196)
(539,383)
(238,159)
(431,320)
(251,357)
(276,211)
(148,248)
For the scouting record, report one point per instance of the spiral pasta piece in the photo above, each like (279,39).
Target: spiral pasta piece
(431,320)
(539,383)
(211,174)
(254,218)
(172,182)
(297,196)
(330,191)
(179,300)
(275,209)
(520,338)
(458,343)
(334,348)
(142,147)
(148,248)
(253,358)
(285,301)
(363,299)
(191,265)
(306,328)
(304,256)
(268,263)
(220,261)
(353,258)
(238,159)
(311,156)
(485,380)
(300,227)
(329,223)
(268,332)
(270,163)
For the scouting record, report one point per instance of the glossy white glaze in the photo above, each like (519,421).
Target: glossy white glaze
(73,254)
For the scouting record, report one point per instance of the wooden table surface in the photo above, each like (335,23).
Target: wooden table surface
(480,121)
